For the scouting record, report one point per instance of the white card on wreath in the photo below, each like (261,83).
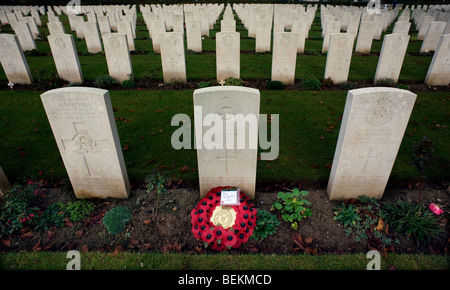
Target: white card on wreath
(229,196)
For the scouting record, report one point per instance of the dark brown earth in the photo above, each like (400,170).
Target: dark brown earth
(170,230)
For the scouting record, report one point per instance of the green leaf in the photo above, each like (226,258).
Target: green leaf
(294,225)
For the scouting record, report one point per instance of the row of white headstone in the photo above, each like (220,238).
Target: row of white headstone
(82,120)
(227,58)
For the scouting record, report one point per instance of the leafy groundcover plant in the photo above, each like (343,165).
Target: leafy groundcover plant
(292,206)
(117,219)
(266,225)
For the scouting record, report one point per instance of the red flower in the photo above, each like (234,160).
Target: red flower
(208,235)
(219,232)
(243,236)
(196,230)
(237,244)
(218,247)
(230,239)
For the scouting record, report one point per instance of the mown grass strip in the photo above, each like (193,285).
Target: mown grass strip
(175,261)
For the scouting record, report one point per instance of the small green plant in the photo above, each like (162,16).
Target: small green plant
(104,82)
(346,215)
(177,85)
(364,219)
(348,85)
(292,206)
(412,219)
(311,84)
(19,207)
(266,225)
(117,219)
(275,85)
(204,84)
(129,83)
(403,87)
(155,182)
(388,82)
(78,210)
(52,216)
(234,82)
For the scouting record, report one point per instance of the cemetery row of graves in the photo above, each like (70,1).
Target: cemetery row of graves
(353,106)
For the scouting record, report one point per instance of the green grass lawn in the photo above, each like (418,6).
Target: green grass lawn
(309,127)
(173,261)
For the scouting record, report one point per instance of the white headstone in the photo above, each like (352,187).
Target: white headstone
(23,32)
(391,57)
(13,60)
(284,57)
(125,27)
(65,57)
(172,57)
(228,25)
(103,24)
(365,37)
(157,28)
(401,27)
(83,124)
(331,27)
(224,161)
(439,71)
(194,35)
(55,28)
(301,28)
(431,40)
(339,57)
(263,35)
(92,37)
(117,56)
(227,55)
(424,27)
(372,129)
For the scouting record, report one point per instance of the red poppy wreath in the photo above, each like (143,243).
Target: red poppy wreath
(223,227)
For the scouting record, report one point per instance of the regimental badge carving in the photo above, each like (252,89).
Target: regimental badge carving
(171,41)
(396,43)
(60,43)
(227,108)
(285,41)
(228,40)
(380,111)
(114,41)
(84,143)
(342,42)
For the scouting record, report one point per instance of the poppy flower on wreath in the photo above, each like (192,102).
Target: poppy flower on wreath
(223,227)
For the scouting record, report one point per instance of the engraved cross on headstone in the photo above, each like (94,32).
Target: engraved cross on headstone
(173,63)
(117,62)
(65,65)
(12,64)
(367,157)
(85,145)
(226,158)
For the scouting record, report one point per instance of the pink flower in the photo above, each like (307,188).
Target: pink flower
(435,209)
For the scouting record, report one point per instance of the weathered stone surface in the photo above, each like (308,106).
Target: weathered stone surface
(225,161)
(372,128)
(84,128)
